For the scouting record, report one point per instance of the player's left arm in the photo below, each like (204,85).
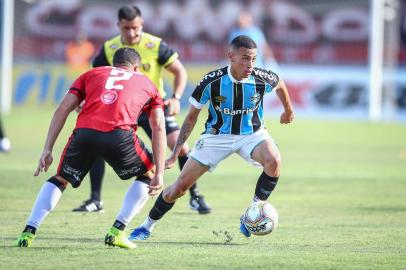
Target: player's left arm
(179,84)
(184,133)
(68,104)
(288,115)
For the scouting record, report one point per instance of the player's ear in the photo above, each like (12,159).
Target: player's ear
(230,55)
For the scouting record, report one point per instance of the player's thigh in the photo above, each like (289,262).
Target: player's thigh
(77,157)
(210,150)
(127,154)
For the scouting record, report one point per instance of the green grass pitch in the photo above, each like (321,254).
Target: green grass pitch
(341,201)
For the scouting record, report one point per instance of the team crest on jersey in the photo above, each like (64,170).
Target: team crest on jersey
(109,97)
(220,99)
(149,45)
(114,46)
(146,67)
(255,98)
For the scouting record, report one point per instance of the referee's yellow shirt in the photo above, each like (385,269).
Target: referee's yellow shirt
(155,54)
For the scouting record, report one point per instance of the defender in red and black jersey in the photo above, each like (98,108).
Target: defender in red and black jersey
(106,127)
(156,56)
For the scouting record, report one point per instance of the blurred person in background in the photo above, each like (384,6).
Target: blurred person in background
(78,54)
(156,55)
(5,143)
(245,26)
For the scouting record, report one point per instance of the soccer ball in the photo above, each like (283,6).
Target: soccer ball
(260,218)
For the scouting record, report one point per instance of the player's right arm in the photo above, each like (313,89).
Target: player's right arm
(157,123)
(68,104)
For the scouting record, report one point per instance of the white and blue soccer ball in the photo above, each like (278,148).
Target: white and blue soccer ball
(260,218)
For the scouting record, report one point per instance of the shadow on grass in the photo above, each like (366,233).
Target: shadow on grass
(12,240)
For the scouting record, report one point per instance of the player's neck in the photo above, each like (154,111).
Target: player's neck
(235,75)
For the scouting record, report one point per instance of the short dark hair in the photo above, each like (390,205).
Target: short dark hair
(243,42)
(126,56)
(128,13)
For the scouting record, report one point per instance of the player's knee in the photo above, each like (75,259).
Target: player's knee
(272,165)
(59,182)
(185,150)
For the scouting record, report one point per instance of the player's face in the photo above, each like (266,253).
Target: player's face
(242,62)
(131,30)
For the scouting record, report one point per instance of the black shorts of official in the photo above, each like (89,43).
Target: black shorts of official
(170,123)
(121,149)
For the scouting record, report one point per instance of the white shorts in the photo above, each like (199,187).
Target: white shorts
(209,149)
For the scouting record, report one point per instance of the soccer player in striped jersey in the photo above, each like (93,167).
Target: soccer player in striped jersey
(235,124)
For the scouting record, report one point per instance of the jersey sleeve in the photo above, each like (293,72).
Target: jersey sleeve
(271,80)
(100,59)
(166,55)
(78,87)
(154,102)
(200,95)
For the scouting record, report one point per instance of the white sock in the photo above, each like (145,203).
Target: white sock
(134,201)
(47,199)
(149,224)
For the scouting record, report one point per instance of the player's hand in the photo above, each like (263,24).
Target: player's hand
(173,106)
(171,161)
(287,117)
(155,185)
(44,162)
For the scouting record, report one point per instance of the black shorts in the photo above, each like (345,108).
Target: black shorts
(170,123)
(122,149)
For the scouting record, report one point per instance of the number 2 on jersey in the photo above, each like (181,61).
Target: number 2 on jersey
(117,75)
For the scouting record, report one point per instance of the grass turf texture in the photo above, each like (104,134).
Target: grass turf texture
(341,202)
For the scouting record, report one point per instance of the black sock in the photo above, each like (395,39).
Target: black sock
(265,185)
(193,190)
(119,225)
(160,208)
(30,229)
(96,179)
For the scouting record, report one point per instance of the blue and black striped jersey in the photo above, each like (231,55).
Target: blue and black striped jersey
(235,107)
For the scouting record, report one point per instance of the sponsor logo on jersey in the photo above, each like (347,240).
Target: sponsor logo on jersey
(232,112)
(264,74)
(220,99)
(149,45)
(146,67)
(213,74)
(114,46)
(109,97)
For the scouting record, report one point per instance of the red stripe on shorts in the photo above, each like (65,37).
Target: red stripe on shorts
(141,153)
(64,152)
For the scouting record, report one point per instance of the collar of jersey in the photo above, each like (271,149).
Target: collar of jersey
(234,80)
(136,44)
